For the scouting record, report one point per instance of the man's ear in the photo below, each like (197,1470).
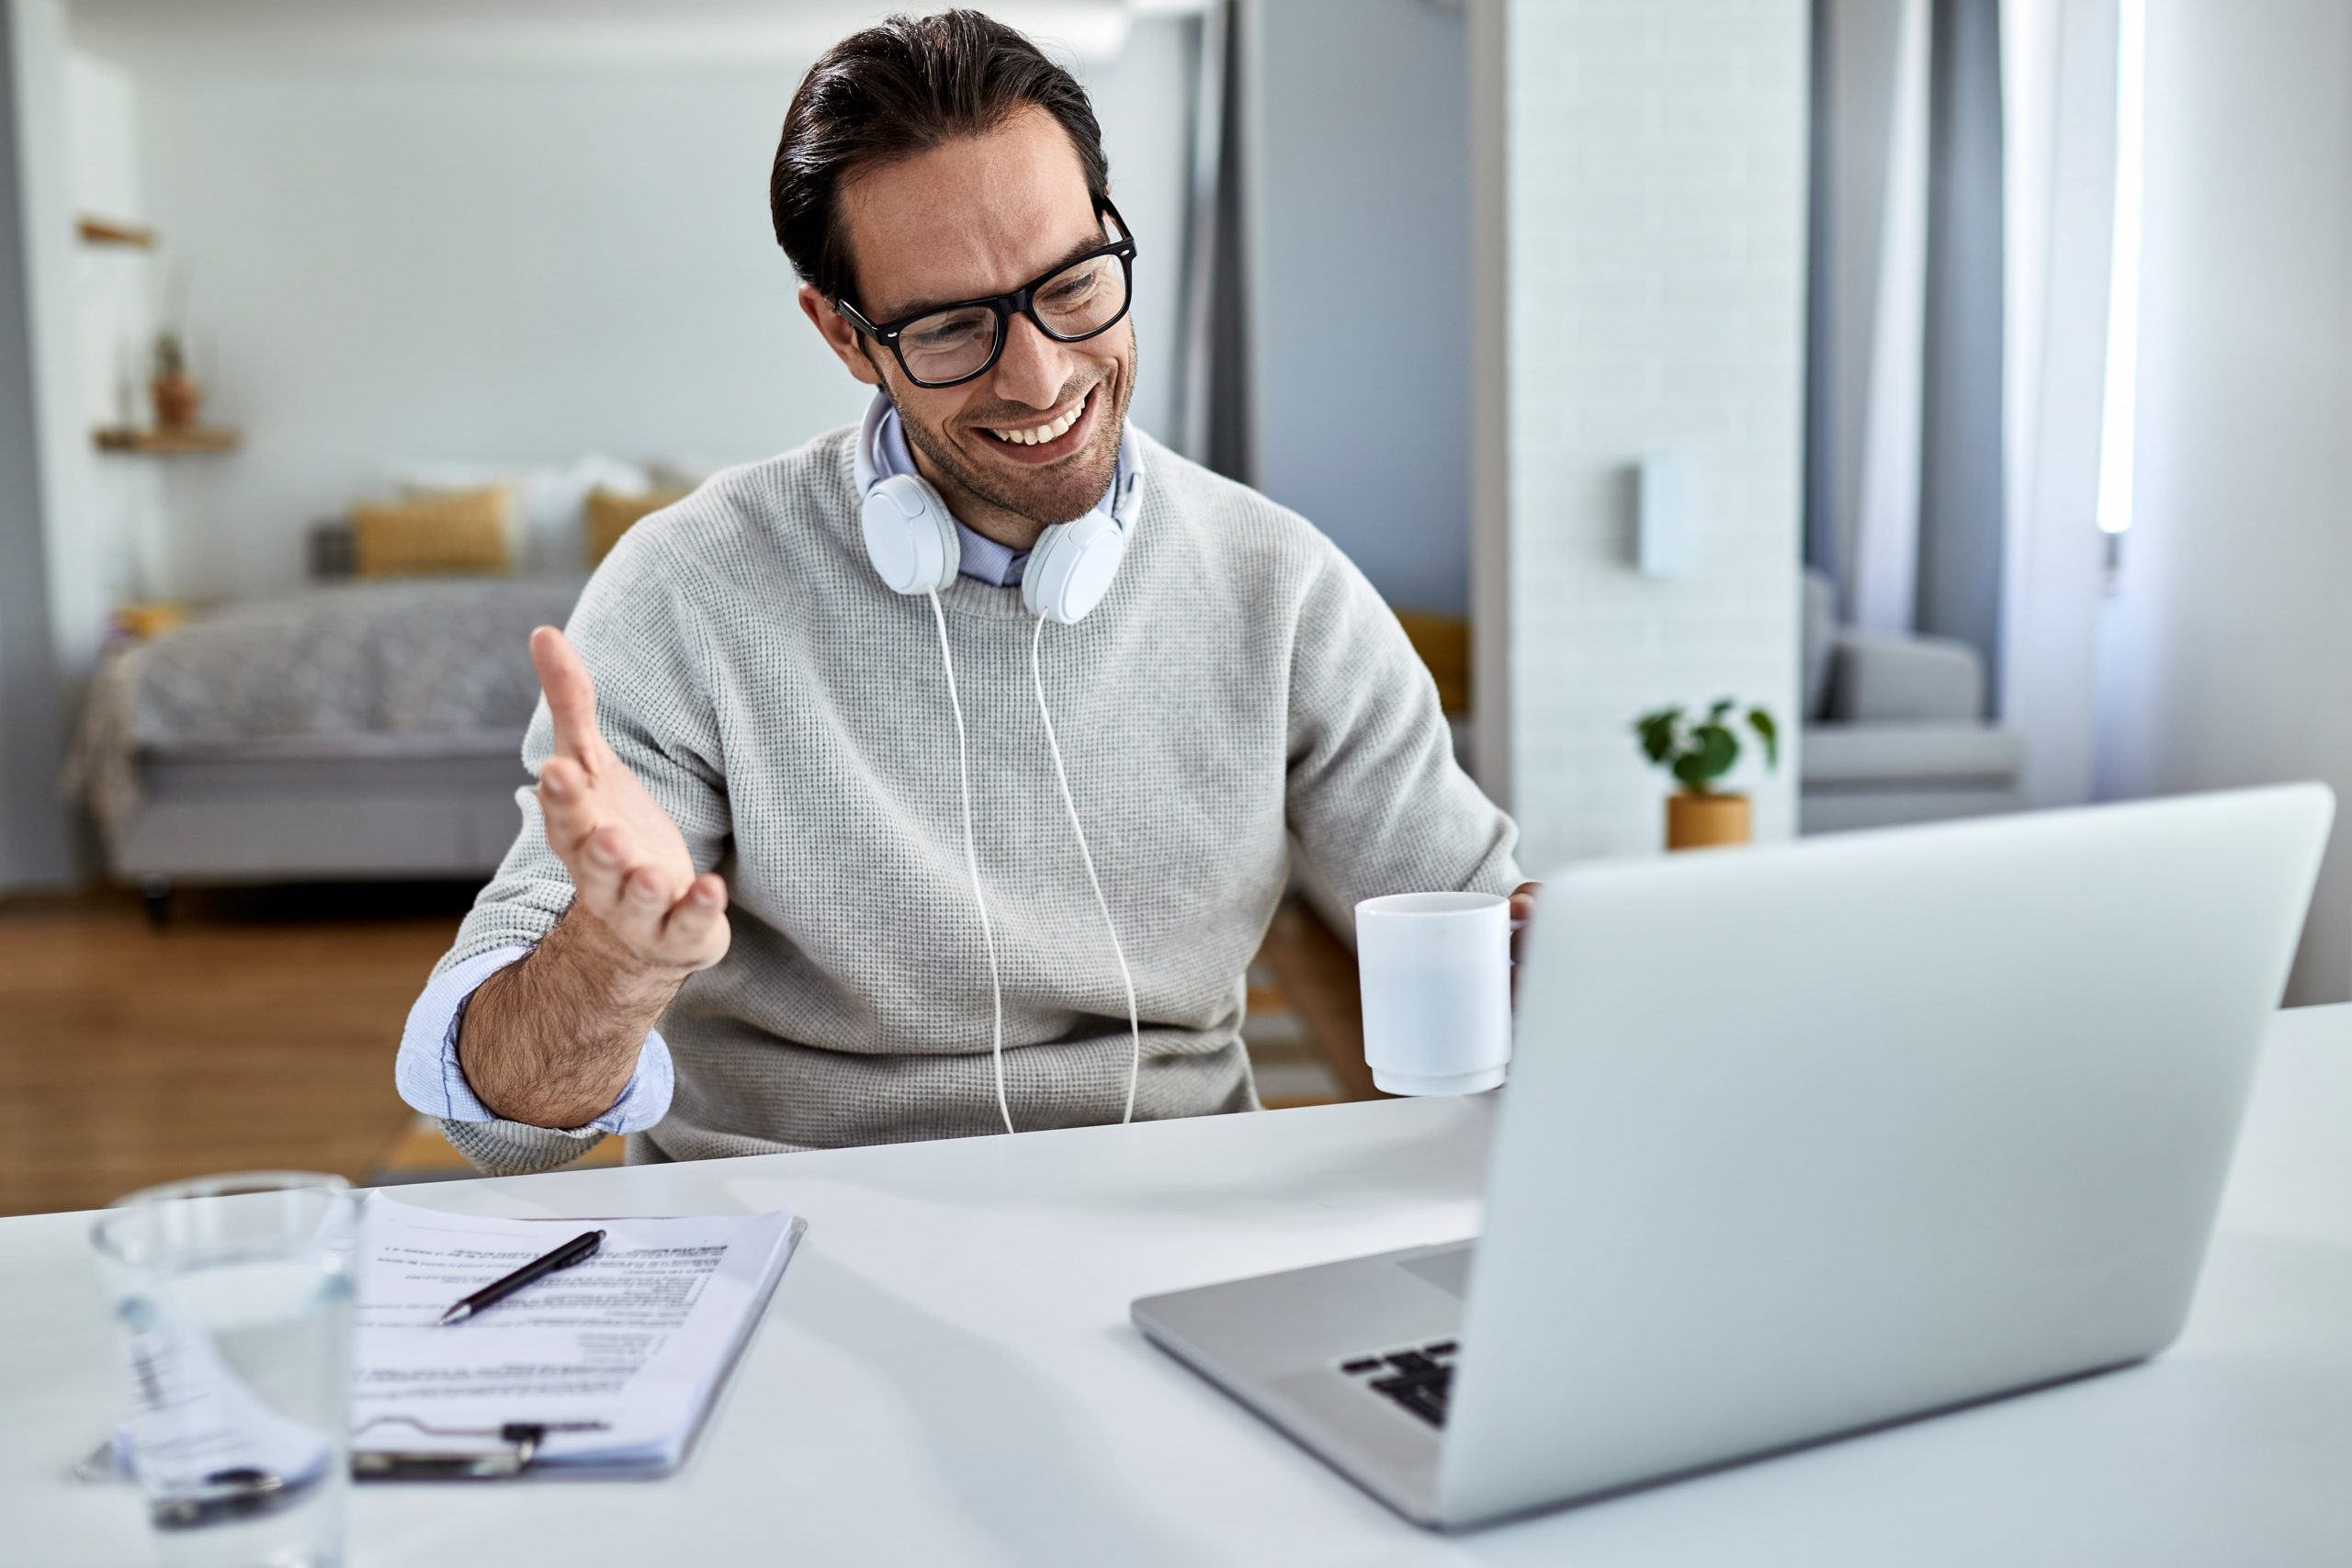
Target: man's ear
(839,335)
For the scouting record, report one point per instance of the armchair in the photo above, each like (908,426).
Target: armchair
(1895,728)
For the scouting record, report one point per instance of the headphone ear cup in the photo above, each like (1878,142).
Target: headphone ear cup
(909,536)
(1071,567)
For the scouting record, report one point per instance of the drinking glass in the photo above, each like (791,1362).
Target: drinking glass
(233,1296)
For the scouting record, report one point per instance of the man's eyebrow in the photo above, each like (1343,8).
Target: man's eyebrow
(925,307)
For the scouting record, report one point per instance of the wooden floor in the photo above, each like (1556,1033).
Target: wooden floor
(258,1032)
(245,1035)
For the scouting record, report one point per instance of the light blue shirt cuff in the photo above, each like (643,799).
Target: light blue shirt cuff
(431,1080)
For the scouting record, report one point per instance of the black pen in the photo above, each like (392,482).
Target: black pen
(578,1249)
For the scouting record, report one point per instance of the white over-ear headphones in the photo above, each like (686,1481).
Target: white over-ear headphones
(1071,566)
(911,539)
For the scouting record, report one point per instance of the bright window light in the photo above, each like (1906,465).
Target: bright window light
(2121,400)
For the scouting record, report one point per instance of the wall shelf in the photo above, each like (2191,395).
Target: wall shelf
(167,442)
(106,231)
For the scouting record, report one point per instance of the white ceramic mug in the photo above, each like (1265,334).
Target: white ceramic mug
(1436,970)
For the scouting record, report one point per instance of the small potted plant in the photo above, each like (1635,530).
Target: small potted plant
(1698,753)
(176,394)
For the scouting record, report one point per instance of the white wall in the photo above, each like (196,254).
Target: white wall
(2227,656)
(1361,287)
(498,261)
(1649,222)
(116,290)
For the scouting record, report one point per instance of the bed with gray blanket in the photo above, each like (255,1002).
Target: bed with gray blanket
(357,731)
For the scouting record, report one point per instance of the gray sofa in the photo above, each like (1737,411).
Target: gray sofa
(362,731)
(1895,728)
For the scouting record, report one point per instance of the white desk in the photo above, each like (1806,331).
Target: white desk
(949,1376)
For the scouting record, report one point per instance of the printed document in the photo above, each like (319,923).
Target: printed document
(618,1357)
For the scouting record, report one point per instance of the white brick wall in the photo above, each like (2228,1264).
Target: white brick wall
(1649,222)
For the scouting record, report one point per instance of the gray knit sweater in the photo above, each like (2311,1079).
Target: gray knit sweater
(1240,683)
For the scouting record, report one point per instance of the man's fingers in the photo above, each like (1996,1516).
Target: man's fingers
(689,926)
(640,903)
(654,906)
(598,867)
(672,929)
(565,805)
(640,900)
(571,696)
(1522,915)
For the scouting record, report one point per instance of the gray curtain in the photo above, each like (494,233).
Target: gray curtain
(1824,537)
(1214,373)
(1961,517)
(1950,583)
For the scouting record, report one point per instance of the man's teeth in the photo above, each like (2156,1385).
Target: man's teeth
(1045,432)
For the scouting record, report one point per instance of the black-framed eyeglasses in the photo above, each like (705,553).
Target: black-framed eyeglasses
(947,345)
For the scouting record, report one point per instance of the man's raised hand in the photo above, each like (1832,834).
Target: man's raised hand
(627,859)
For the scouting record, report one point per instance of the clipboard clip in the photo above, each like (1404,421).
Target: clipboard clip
(518,1446)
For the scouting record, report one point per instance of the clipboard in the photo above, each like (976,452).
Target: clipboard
(513,1449)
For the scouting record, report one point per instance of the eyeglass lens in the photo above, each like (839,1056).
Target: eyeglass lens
(1080,299)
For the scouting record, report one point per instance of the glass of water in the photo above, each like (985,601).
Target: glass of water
(233,1296)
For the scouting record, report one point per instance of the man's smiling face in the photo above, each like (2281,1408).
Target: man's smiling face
(975,216)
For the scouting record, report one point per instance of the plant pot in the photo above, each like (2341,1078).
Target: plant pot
(178,398)
(1705,822)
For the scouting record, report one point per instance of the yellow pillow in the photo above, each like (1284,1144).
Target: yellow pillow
(611,514)
(457,531)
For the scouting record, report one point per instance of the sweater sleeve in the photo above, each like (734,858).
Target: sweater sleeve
(1376,797)
(654,709)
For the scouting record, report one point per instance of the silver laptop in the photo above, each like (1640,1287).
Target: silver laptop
(1803,1140)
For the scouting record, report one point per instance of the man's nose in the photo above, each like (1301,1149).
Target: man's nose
(1033,370)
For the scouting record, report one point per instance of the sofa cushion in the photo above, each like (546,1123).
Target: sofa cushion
(1884,678)
(1884,755)
(460,532)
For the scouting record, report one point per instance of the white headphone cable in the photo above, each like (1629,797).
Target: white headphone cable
(1062,775)
(972,863)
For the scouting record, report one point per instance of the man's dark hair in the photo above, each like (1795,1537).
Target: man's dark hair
(898,89)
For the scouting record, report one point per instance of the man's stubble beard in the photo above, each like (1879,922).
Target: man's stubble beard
(1070,490)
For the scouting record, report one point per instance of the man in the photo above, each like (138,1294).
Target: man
(897,859)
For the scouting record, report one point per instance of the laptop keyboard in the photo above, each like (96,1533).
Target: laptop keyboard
(1418,1379)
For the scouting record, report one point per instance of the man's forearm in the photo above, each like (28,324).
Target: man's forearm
(551,1040)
